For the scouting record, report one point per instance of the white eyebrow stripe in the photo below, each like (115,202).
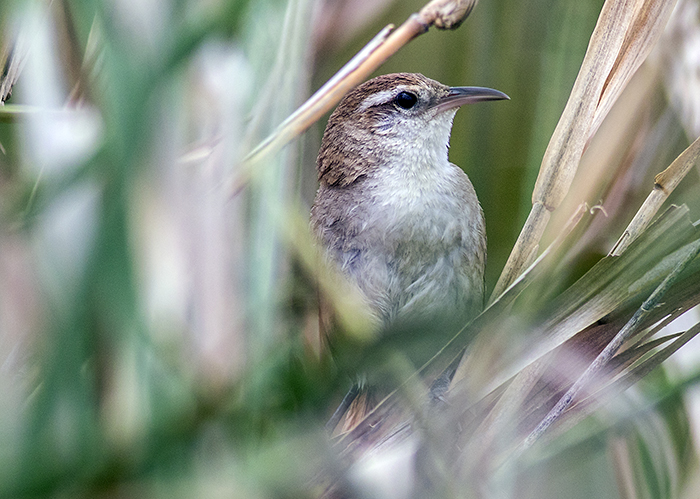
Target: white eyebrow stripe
(375,99)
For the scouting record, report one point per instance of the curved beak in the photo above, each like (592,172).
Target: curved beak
(459,96)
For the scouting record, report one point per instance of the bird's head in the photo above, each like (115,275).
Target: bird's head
(394,117)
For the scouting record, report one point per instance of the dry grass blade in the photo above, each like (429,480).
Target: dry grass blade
(664,183)
(626,379)
(522,401)
(625,32)
(569,335)
(613,281)
(649,21)
(444,14)
(610,284)
(609,351)
(646,366)
(561,369)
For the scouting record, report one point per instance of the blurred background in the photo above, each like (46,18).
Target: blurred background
(155,309)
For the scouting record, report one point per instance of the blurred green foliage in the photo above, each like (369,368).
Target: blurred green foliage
(99,403)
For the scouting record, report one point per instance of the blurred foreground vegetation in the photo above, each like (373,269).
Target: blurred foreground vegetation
(155,314)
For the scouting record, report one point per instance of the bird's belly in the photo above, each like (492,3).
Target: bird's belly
(414,248)
(423,265)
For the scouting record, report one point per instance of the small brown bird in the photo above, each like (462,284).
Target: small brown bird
(400,221)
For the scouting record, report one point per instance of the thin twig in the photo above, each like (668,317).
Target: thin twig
(443,14)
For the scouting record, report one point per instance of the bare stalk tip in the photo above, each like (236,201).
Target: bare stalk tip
(446,14)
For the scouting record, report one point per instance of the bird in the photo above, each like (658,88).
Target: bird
(402,223)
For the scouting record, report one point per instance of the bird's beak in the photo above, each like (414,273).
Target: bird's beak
(459,96)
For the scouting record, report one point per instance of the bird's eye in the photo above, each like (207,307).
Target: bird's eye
(406,100)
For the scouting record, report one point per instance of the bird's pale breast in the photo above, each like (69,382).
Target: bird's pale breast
(415,245)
